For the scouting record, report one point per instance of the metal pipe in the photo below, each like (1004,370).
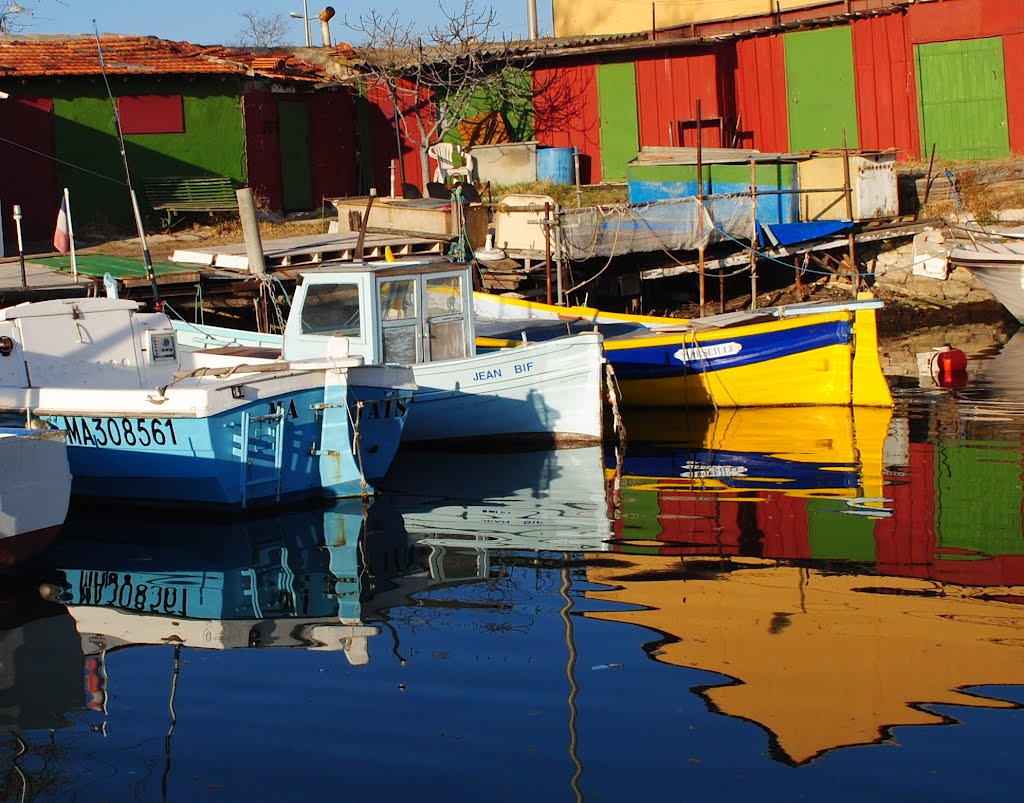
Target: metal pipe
(21,244)
(531,19)
(325,25)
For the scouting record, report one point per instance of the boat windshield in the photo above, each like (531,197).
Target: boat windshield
(332,309)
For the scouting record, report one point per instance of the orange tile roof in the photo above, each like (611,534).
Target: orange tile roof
(64,55)
(298,64)
(123,55)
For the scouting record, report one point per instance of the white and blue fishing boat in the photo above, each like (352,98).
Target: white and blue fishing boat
(148,424)
(420,313)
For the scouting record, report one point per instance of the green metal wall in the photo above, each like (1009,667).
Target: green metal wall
(620,127)
(961,89)
(296,178)
(821,93)
(89,158)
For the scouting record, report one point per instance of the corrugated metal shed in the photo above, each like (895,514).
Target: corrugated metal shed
(886,94)
(668,88)
(566,114)
(761,94)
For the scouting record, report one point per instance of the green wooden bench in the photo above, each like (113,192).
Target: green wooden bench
(177,194)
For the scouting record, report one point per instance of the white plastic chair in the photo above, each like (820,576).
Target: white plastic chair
(443,153)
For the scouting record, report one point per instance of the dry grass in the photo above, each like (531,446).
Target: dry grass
(565,194)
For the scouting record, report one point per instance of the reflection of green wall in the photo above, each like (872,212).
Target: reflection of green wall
(978,498)
(639,513)
(833,533)
(85,142)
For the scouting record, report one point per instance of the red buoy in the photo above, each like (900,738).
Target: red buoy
(950,361)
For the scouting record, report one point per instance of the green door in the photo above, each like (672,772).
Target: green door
(620,133)
(961,89)
(822,97)
(296,175)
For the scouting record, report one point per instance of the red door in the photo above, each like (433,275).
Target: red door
(28,172)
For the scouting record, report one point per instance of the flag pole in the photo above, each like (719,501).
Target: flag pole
(71,234)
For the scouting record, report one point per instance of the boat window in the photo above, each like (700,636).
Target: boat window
(398,300)
(398,321)
(332,309)
(444,296)
(445,318)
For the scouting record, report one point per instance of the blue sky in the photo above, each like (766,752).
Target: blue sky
(219,21)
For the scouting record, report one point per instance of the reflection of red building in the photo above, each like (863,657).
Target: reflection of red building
(952,515)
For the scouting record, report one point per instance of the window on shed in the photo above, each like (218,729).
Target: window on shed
(151,114)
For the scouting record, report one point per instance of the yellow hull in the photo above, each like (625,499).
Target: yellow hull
(841,374)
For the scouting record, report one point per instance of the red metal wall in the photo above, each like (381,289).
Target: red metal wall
(761,94)
(566,114)
(385,144)
(332,145)
(28,175)
(332,135)
(668,88)
(262,149)
(948,20)
(1013,58)
(883,62)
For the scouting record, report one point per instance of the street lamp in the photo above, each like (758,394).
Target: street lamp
(304,16)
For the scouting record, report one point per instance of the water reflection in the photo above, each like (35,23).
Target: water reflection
(824,575)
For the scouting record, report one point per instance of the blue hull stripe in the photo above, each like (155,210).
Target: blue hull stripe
(659,361)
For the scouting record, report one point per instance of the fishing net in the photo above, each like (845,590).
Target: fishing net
(684,224)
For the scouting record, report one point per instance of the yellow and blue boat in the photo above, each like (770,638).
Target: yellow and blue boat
(819,354)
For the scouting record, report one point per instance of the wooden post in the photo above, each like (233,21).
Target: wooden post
(700,212)
(848,190)
(251,231)
(753,234)
(361,239)
(547,248)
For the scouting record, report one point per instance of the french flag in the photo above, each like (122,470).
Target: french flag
(62,234)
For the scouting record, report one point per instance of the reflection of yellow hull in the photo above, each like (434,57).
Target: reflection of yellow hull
(813,435)
(822,660)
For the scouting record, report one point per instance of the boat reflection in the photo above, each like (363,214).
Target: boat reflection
(283,581)
(752,481)
(40,660)
(536,500)
(845,578)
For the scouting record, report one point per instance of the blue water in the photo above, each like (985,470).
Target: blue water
(487,628)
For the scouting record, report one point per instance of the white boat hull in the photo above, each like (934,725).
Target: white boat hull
(547,392)
(35,484)
(998,266)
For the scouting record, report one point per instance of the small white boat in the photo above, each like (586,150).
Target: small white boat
(147,424)
(421,314)
(35,481)
(999,266)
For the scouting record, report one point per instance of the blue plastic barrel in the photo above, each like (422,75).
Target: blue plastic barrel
(555,165)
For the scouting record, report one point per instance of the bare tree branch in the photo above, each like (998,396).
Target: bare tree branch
(259,31)
(15,17)
(435,79)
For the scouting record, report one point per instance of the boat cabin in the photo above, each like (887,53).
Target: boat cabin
(387,312)
(85,342)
